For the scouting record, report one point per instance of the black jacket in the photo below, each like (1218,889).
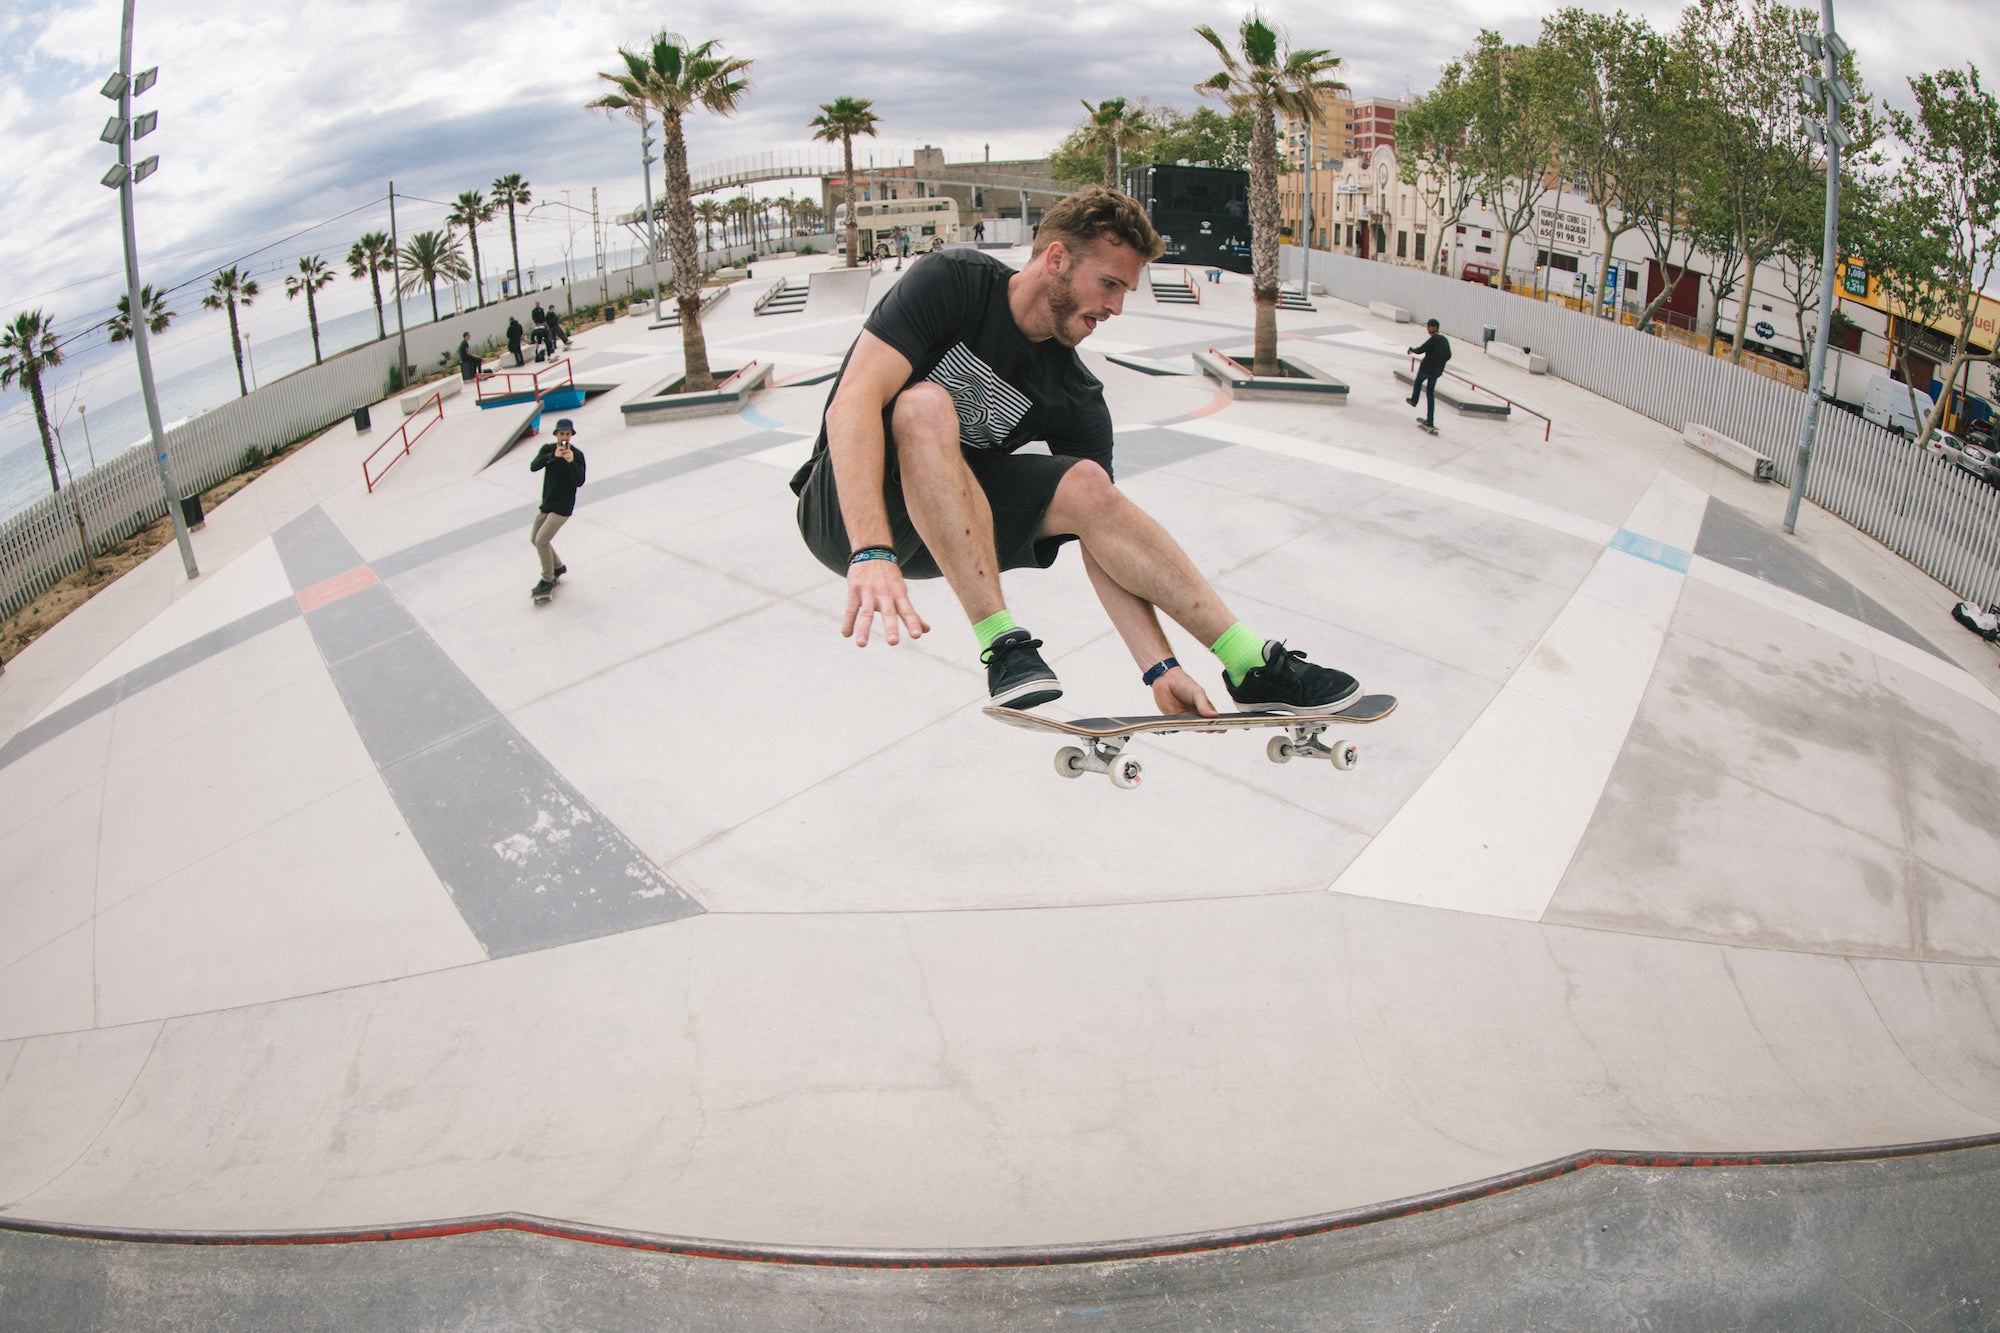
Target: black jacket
(514,332)
(1436,350)
(560,480)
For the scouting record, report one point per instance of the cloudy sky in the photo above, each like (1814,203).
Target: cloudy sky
(281,124)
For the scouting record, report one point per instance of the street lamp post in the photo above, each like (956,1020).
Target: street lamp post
(1831,91)
(123,129)
(647,159)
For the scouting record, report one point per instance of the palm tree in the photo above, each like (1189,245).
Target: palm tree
(808,211)
(226,291)
(710,213)
(670,79)
(508,191)
(119,326)
(429,258)
(28,347)
(1265,80)
(312,278)
(838,122)
(468,212)
(739,218)
(1114,125)
(366,259)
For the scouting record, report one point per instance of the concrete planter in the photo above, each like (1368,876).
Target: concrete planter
(1300,383)
(666,402)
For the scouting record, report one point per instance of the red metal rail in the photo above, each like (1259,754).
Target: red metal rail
(1546,423)
(436,401)
(481,392)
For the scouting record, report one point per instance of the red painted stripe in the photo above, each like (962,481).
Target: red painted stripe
(339,586)
(1214,405)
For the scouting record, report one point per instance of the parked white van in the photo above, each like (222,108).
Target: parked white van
(1888,405)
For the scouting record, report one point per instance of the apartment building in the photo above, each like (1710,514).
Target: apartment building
(1332,133)
(1375,122)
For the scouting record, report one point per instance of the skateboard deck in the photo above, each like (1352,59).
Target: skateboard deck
(1108,736)
(544,598)
(1427,426)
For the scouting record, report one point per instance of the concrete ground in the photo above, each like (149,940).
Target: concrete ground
(345,887)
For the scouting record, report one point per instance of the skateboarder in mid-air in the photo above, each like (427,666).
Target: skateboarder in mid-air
(915,473)
(1436,350)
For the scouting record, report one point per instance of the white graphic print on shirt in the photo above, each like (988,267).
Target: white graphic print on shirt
(988,407)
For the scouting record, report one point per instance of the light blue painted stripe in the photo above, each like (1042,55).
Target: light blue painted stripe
(758,419)
(1631,543)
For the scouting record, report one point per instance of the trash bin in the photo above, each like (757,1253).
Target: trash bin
(1487,334)
(361,422)
(191,512)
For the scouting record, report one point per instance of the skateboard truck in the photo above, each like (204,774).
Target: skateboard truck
(1305,743)
(1103,756)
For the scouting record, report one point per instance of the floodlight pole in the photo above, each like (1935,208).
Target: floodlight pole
(396,286)
(138,311)
(652,222)
(1829,46)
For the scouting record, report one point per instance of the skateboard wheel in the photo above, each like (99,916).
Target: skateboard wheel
(1345,755)
(1125,773)
(1279,750)
(1069,762)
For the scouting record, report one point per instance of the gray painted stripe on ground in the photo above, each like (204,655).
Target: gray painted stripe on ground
(528,861)
(196,651)
(166,665)
(1731,537)
(1140,451)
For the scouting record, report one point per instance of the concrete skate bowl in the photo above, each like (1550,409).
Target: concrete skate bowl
(1885,1237)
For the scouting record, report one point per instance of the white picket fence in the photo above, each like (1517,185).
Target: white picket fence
(1927,510)
(39,544)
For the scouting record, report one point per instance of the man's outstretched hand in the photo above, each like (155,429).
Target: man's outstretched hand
(1176,693)
(876,587)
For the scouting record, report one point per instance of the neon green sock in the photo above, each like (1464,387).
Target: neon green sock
(993,627)
(1241,652)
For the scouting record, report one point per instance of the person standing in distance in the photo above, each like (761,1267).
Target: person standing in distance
(561,464)
(1436,351)
(916,475)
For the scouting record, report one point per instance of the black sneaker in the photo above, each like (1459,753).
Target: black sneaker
(1016,675)
(1287,683)
(560,571)
(542,588)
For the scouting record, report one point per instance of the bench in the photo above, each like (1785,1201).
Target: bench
(1395,314)
(1532,362)
(1725,450)
(449,387)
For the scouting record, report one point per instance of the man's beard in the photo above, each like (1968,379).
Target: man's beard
(1063,307)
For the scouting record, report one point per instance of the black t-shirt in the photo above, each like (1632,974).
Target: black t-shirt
(950,319)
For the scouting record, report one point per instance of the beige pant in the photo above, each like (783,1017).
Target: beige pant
(543,535)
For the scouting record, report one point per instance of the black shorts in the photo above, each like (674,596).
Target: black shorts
(1018,487)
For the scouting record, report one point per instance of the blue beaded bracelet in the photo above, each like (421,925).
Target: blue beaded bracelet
(873,553)
(1157,670)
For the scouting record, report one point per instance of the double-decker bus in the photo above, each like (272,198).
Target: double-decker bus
(930,222)
(1202,213)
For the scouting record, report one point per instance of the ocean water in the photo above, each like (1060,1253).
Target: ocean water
(193,372)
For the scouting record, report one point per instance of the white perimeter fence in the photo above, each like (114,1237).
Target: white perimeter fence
(39,545)
(1929,511)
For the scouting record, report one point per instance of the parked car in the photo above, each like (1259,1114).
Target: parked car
(1483,274)
(1952,448)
